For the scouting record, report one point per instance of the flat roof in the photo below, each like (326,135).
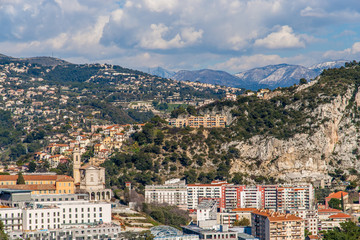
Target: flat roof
(9,190)
(202,230)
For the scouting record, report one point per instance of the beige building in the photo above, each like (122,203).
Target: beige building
(207,121)
(90,179)
(270,225)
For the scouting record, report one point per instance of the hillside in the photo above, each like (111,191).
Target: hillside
(207,76)
(304,133)
(44,97)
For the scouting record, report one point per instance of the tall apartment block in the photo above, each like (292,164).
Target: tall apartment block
(268,225)
(173,192)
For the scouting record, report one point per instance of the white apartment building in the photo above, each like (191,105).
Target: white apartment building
(251,197)
(295,196)
(11,218)
(196,192)
(270,196)
(53,215)
(41,218)
(173,192)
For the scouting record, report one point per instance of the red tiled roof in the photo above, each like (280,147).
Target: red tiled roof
(34,177)
(276,216)
(243,210)
(328,210)
(313,237)
(337,195)
(340,215)
(32,187)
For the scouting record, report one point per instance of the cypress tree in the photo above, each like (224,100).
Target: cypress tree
(20,179)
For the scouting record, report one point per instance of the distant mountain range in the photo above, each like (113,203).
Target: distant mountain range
(271,76)
(207,76)
(161,72)
(45,61)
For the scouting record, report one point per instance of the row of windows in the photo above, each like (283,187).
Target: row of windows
(54,199)
(64,184)
(10,215)
(82,215)
(42,220)
(82,209)
(64,191)
(42,214)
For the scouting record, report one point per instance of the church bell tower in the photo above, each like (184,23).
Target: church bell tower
(76,164)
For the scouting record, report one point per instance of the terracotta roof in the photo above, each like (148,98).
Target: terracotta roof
(328,210)
(65,179)
(340,215)
(313,237)
(276,216)
(337,195)
(243,210)
(34,177)
(32,187)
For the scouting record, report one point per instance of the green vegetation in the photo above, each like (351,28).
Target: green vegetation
(8,133)
(335,203)
(348,230)
(20,179)
(242,222)
(3,235)
(167,215)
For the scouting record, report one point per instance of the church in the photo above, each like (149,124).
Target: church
(89,178)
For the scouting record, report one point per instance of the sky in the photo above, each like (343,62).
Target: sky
(229,35)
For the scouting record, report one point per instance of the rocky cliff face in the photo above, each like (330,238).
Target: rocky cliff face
(305,157)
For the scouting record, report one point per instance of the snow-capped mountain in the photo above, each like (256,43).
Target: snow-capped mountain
(326,65)
(271,76)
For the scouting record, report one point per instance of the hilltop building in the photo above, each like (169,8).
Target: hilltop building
(207,121)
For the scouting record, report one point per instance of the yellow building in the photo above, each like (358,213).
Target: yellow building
(40,184)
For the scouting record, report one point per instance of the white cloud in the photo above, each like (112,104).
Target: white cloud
(161,5)
(336,14)
(154,39)
(355,48)
(177,33)
(347,54)
(283,38)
